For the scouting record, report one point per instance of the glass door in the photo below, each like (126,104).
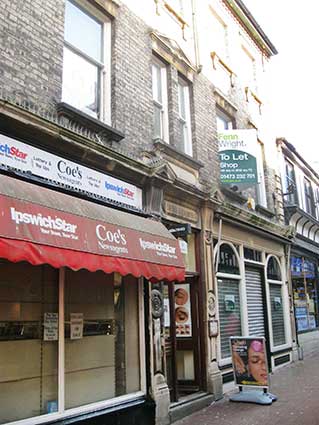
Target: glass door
(182,338)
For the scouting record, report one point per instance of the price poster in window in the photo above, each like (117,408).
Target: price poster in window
(76,325)
(50,327)
(183,318)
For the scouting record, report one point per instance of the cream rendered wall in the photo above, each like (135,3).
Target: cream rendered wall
(158,17)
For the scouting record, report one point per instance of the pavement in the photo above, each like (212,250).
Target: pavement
(297,388)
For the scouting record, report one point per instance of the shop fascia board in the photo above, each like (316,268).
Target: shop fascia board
(252,221)
(48,135)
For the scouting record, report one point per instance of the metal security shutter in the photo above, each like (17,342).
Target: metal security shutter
(230,324)
(255,303)
(277,315)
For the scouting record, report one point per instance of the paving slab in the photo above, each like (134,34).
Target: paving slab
(297,388)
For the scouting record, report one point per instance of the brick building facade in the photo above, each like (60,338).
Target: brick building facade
(133,93)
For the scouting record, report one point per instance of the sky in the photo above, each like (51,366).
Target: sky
(294,78)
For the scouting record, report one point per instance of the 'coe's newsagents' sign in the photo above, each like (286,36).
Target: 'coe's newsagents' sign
(237,155)
(59,170)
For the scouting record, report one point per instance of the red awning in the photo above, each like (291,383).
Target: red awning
(43,226)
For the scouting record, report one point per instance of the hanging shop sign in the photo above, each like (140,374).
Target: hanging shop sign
(23,157)
(238,156)
(249,361)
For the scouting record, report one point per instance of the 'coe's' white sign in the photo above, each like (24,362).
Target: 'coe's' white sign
(24,157)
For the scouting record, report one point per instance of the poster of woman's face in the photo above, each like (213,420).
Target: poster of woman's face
(249,361)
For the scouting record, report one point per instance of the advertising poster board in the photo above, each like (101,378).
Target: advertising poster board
(249,358)
(238,156)
(183,316)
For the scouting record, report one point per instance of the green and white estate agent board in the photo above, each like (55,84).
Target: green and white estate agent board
(237,155)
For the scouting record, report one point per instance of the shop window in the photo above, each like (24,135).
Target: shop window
(305,290)
(228,262)
(277,315)
(101,339)
(185,132)
(100,360)
(276,301)
(84,60)
(160,117)
(290,187)
(228,297)
(309,198)
(229,313)
(28,341)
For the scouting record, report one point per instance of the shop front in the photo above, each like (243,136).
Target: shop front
(252,292)
(304,277)
(73,339)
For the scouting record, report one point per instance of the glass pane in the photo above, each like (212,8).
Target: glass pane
(28,341)
(277,315)
(273,269)
(83,32)
(102,337)
(157,122)
(181,92)
(157,83)
(312,303)
(80,83)
(229,313)
(227,260)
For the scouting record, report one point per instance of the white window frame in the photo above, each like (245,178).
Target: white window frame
(228,122)
(163,105)
(99,405)
(104,67)
(185,121)
(285,301)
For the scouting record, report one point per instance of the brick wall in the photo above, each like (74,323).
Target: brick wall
(31,36)
(31,39)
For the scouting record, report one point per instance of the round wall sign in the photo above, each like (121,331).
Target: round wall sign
(157,304)
(211,303)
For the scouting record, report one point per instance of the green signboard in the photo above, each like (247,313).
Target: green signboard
(238,157)
(237,166)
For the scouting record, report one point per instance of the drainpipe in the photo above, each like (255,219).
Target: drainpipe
(195,36)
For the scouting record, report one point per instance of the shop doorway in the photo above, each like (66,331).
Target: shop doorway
(183,362)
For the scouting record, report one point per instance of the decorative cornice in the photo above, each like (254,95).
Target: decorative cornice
(248,22)
(251,220)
